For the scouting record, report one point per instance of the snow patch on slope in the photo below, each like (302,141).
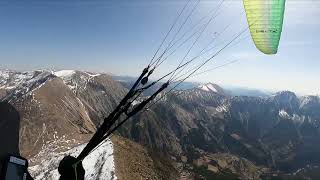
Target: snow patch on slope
(4,76)
(64,73)
(294,117)
(66,76)
(306,101)
(221,108)
(208,87)
(98,165)
(92,75)
(284,114)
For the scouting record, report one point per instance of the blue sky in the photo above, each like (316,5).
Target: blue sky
(120,37)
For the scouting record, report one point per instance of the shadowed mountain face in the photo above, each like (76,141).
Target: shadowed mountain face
(202,129)
(9,134)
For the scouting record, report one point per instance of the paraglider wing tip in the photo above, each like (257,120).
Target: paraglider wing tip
(269,51)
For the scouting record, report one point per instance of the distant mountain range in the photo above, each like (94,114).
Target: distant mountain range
(127,81)
(200,131)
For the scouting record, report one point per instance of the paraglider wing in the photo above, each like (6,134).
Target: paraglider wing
(265,18)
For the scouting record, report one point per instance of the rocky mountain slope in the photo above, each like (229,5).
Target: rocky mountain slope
(275,132)
(195,133)
(58,106)
(59,111)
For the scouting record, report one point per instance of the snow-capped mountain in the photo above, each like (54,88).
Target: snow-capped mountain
(210,87)
(76,80)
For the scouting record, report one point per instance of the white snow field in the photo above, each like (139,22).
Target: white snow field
(99,165)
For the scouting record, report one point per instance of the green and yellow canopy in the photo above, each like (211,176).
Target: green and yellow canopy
(265,18)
